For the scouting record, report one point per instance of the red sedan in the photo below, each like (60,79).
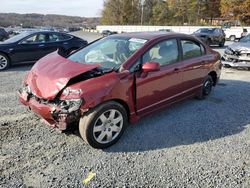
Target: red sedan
(119,79)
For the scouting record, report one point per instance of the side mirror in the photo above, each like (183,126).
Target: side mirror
(150,67)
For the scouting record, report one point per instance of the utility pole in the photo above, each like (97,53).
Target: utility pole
(142,11)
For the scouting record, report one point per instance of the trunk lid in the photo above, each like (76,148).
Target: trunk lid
(52,73)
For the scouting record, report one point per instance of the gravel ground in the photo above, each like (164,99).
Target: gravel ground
(192,144)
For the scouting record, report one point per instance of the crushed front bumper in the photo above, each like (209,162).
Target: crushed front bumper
(49,111)
(235,61)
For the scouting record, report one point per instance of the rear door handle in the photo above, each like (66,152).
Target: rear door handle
(41,45)
(65,43)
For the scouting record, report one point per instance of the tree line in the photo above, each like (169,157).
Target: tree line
(31,20)
(174,12)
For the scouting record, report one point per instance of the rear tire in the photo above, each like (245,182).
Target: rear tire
(232,38)
(103,125)
(206,88)
(4,61)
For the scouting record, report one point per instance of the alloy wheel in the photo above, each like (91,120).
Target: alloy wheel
(108,126)
(207,87)
(3,62)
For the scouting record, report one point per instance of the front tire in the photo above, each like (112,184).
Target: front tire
(4,62)
(103,125)
(206,88)
(209,42)
(222,43)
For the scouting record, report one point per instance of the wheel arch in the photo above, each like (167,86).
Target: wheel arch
(232,37)
(123,103)
(213,74)
(2,52)
(8,59)
(119,101)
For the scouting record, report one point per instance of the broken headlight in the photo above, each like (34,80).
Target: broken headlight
(70,105)
(68,91)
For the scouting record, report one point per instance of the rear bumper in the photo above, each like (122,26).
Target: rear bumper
(50,113)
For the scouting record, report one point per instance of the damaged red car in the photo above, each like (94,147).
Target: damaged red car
(117,80)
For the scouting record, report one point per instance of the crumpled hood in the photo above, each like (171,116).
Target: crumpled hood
(52,73)
(240,46)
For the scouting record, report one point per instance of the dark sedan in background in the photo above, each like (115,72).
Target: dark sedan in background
(108,32)
(28,47)
(211,36)
(3,34)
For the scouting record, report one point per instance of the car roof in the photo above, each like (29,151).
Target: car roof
(150,35)
(43,31)
(210,28)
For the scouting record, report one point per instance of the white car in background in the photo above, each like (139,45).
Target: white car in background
(235,33)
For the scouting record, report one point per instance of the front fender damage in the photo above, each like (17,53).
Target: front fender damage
(66,107)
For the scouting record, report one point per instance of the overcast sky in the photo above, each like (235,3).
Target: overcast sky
(84,8)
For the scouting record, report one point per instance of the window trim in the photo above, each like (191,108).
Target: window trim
(47,42)
(179,55)
(34,34)
(140,58)
(178,38)
(194,41)
(29,36)
(59,40)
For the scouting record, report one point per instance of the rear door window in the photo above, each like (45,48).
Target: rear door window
(191,49)
(55,37)
(65,37)
(41,38)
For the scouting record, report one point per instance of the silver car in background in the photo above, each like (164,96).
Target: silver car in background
(238,54)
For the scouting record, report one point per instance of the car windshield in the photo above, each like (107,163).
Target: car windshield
(205,30)
(17,37)
(110,53)
(245,39)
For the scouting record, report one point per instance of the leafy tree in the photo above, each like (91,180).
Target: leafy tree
(112,12)
(244,12)
(121,12)
(174,12)
(160,13)
(236,10)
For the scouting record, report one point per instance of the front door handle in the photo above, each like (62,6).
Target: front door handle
(41,45)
